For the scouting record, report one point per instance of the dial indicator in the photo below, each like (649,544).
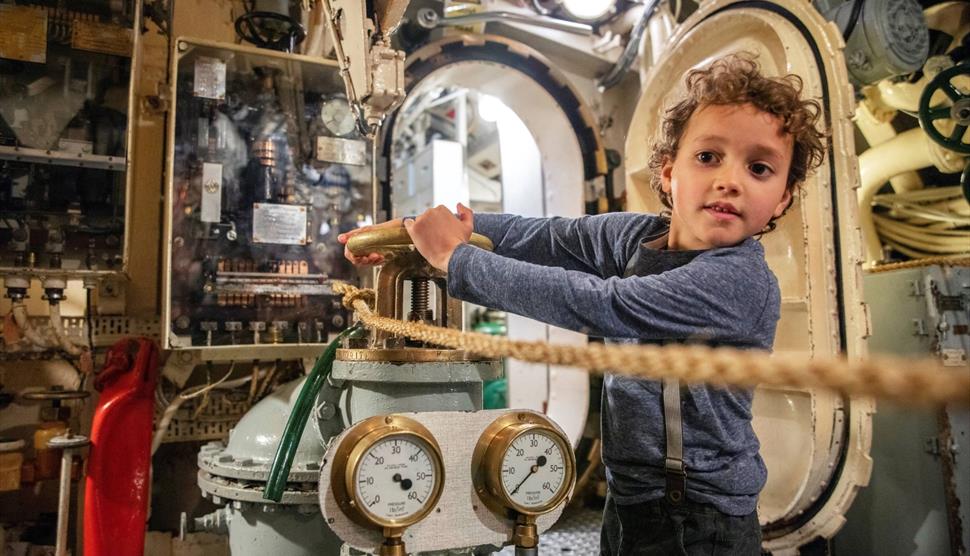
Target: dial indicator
(396,477)
(337,117)
(387,472)
(523,463)
(533,469)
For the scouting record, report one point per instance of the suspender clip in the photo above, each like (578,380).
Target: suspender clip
(676,480)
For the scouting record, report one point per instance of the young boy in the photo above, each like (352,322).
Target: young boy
(682,464)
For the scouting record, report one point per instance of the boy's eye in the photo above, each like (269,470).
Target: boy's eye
(759,169)
(706,157)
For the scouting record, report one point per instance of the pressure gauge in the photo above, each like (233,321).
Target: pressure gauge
(387,472)
(337,117)
(523,464)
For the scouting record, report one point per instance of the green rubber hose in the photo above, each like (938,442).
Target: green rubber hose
(279,471)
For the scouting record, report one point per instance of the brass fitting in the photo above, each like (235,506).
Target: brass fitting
(525,534)
(393,544)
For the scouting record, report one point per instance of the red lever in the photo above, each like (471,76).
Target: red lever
(118,479)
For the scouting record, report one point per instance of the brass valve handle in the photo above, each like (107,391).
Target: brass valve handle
(394,241)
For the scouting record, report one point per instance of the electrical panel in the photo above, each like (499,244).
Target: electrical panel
(266,167)
(65,90)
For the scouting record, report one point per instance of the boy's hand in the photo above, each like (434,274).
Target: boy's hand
(437,233)
(370,258)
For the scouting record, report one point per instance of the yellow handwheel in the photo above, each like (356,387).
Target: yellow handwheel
(395,241)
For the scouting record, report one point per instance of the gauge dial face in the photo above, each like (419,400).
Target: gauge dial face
(395,478)
(337,116)
(534,470)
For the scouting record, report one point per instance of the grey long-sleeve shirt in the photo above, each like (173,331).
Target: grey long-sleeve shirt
(568,273)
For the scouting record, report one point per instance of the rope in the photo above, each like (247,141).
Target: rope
(906,381)
(962,260)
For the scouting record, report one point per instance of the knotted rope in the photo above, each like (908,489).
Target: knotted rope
(906,381)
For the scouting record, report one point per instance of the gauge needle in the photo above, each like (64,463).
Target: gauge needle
(539,463)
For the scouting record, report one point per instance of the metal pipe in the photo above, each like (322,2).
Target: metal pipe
(512,17)
(629,54)
(69,443)
(910,150)
(461,119)
(375,185)
(64,502)
(343,63)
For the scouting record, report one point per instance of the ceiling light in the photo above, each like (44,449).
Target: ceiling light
(589,10)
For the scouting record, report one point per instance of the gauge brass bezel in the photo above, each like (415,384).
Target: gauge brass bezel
(490,451)
(351,451)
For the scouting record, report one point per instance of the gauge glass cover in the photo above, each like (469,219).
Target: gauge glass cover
(395,478)
(337,116)
(533,469)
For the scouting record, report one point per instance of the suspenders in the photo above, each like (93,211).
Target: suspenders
(675,472)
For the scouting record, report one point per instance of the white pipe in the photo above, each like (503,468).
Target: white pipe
(315,44)
(57,326)
(911,253)
(877,130)
(952,247)
(908,151)
(19,310)
(926,215)
(904,153)
(939,242)
(661,27)
(521,19)
(951,213)
(931,194)
(902,95)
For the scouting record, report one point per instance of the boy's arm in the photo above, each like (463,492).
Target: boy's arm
(718,296)
(592,244)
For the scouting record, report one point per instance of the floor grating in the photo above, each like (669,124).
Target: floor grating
(577,533)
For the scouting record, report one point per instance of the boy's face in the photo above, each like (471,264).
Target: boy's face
(728,178)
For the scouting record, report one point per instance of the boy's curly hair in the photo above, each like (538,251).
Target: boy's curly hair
(737,79)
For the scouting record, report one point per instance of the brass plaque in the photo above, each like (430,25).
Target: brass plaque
(282,224)
(341,151)
(210,78)
(23,33)
(101,37)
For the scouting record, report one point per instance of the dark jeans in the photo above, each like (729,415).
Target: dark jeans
(658,528)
